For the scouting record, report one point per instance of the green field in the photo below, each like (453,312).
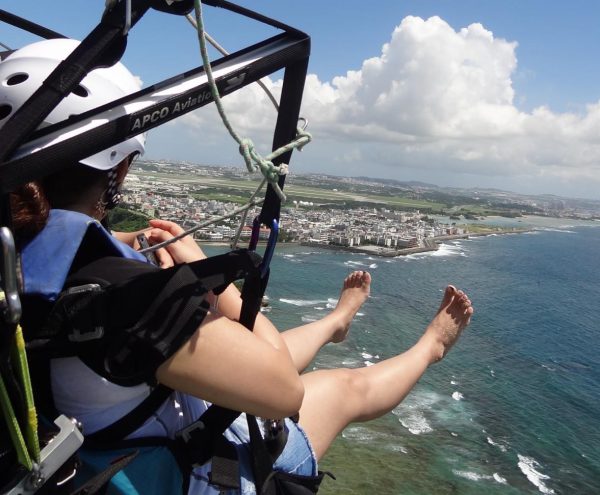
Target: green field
(227,189)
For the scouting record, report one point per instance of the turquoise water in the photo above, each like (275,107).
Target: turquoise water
(515,406)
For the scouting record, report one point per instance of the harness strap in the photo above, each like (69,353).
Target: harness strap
(99,481)
(123,427)
(262,463)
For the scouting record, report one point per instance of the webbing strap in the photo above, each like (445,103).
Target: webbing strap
(262,464)
(98,482)
(120,429)
(114,303)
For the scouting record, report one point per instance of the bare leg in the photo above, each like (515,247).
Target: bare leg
(305,341)
(335,398)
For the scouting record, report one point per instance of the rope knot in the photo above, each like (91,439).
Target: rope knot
(247,150)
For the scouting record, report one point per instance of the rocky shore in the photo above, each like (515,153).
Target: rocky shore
(431,244)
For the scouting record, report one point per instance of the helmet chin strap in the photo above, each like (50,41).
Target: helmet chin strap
(111,196)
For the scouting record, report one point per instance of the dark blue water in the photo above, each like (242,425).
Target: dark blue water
(515,407)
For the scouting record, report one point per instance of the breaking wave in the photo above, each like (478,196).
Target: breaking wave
(530,468)
(302,302)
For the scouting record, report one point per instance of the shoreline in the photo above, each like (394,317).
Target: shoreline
(384,252)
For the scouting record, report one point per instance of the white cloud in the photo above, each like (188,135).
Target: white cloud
(434,99)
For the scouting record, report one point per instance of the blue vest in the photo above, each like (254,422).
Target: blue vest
(46,262)
(47,259)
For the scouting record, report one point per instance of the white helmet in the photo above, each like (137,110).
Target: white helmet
(24,71)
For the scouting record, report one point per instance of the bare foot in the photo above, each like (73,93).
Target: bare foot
(449,322)
(355,292)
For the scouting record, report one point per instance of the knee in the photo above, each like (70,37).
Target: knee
(353,384)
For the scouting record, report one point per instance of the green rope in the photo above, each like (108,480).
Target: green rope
(254,161)
(19,357)
(13,428)
(27,445)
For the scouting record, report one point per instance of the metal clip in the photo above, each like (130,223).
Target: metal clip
(270,249)
(76,335)
(12,312)
(186,433)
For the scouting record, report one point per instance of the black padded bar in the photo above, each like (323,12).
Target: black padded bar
(285,131)
(245,67)
(30,27)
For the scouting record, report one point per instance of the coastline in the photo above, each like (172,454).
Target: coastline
(432,244)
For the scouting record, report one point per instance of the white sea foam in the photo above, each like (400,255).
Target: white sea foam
(399,448)
(499,479)
(530,468)
(360,433)
(416,424)
(457,395)
(354,263)
(453,382)
(548,229)
(496,444)
(373,265)
(413,410)
(302,302)
(447,250)
(320,308)
(366,355)
(331,303)
(308,319)
(369,363)
(470,475)
(289,255)
(359,314)
(492,372)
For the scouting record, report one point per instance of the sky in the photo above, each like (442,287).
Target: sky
(461,93)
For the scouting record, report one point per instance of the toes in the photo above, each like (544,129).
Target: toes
(448,295)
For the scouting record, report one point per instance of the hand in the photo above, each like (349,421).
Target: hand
(184,250)
(130,238)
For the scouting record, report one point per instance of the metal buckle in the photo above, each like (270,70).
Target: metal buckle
(76,334)
(186,433)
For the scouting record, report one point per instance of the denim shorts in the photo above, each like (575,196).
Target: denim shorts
(297,457)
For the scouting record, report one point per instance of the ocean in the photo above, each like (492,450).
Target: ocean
(515,406)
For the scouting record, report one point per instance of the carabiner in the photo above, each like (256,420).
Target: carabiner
(270,249)
(12,312)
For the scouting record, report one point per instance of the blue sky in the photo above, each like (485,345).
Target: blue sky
(478,93)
